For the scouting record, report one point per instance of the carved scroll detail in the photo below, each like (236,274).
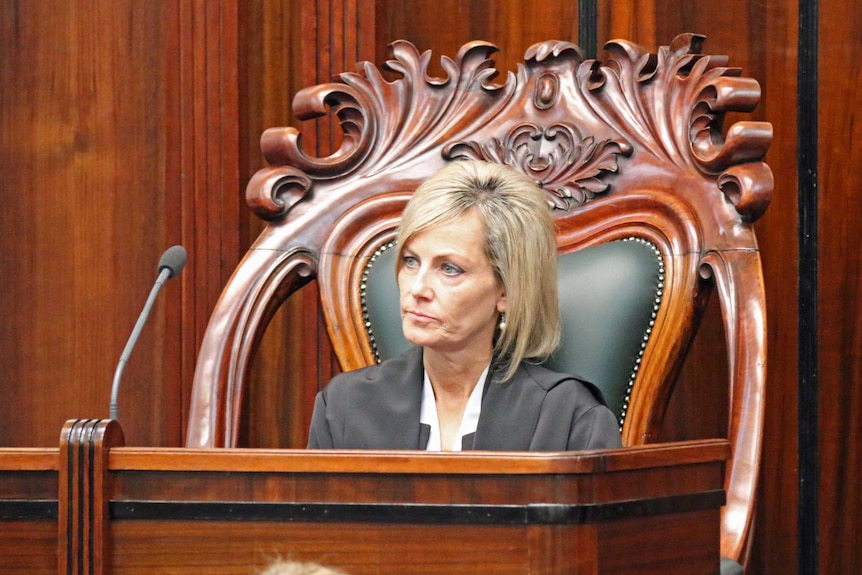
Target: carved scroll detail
(272,193)
(672,104)
(387,123)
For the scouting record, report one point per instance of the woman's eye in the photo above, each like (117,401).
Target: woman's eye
(410,261)
(451,269)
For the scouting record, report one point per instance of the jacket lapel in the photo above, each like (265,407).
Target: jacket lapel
(424,436)
(405,400)
(510,413)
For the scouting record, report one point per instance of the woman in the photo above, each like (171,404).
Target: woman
(477,281)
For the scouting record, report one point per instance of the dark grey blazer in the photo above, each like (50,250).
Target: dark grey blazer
(378,407)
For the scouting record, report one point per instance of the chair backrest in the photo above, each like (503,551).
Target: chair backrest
(654,205)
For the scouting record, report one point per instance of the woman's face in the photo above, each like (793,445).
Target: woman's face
(450,297)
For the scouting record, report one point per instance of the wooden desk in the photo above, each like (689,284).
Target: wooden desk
(127,510)
(28,511)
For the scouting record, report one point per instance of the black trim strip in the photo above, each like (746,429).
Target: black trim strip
(588,26)
(80,482)
(91,496)
(807,198)
(425,514)
(70,486)
(29,509)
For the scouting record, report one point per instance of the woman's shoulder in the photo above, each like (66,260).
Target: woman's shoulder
(386,371)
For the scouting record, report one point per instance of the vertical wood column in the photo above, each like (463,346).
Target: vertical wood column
(203,195)
(836,507)
(83,508)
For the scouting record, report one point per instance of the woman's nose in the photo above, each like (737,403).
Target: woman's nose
(419,285)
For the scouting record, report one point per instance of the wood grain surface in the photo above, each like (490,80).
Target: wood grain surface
(95,183)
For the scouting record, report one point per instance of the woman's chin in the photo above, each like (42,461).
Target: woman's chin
(420,337)
(416,339)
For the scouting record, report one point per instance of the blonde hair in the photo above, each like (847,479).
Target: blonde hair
(297,568)
(520,243)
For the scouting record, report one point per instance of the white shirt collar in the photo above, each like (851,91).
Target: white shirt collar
(469,421)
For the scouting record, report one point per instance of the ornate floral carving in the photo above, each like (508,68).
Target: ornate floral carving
(566,164)
(389,123)
(670,105)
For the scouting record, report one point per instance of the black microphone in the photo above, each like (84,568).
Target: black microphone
(170,265)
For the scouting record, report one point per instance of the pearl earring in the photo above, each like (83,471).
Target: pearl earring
(502,325)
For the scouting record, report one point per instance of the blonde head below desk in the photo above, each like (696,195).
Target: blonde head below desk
(297,568)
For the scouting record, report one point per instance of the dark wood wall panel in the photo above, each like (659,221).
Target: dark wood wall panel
(443,26)
(120,137)
(840,287)
(83,214)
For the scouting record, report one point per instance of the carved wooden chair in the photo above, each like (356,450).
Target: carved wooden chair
(654,203)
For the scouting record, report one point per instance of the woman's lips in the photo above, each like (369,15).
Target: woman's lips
(419,316)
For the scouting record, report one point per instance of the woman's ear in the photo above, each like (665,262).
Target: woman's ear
(502,305)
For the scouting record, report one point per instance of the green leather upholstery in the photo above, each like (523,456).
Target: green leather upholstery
(609,295)
(730,567)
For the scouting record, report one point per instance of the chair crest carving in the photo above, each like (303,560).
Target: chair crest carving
(633,98)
